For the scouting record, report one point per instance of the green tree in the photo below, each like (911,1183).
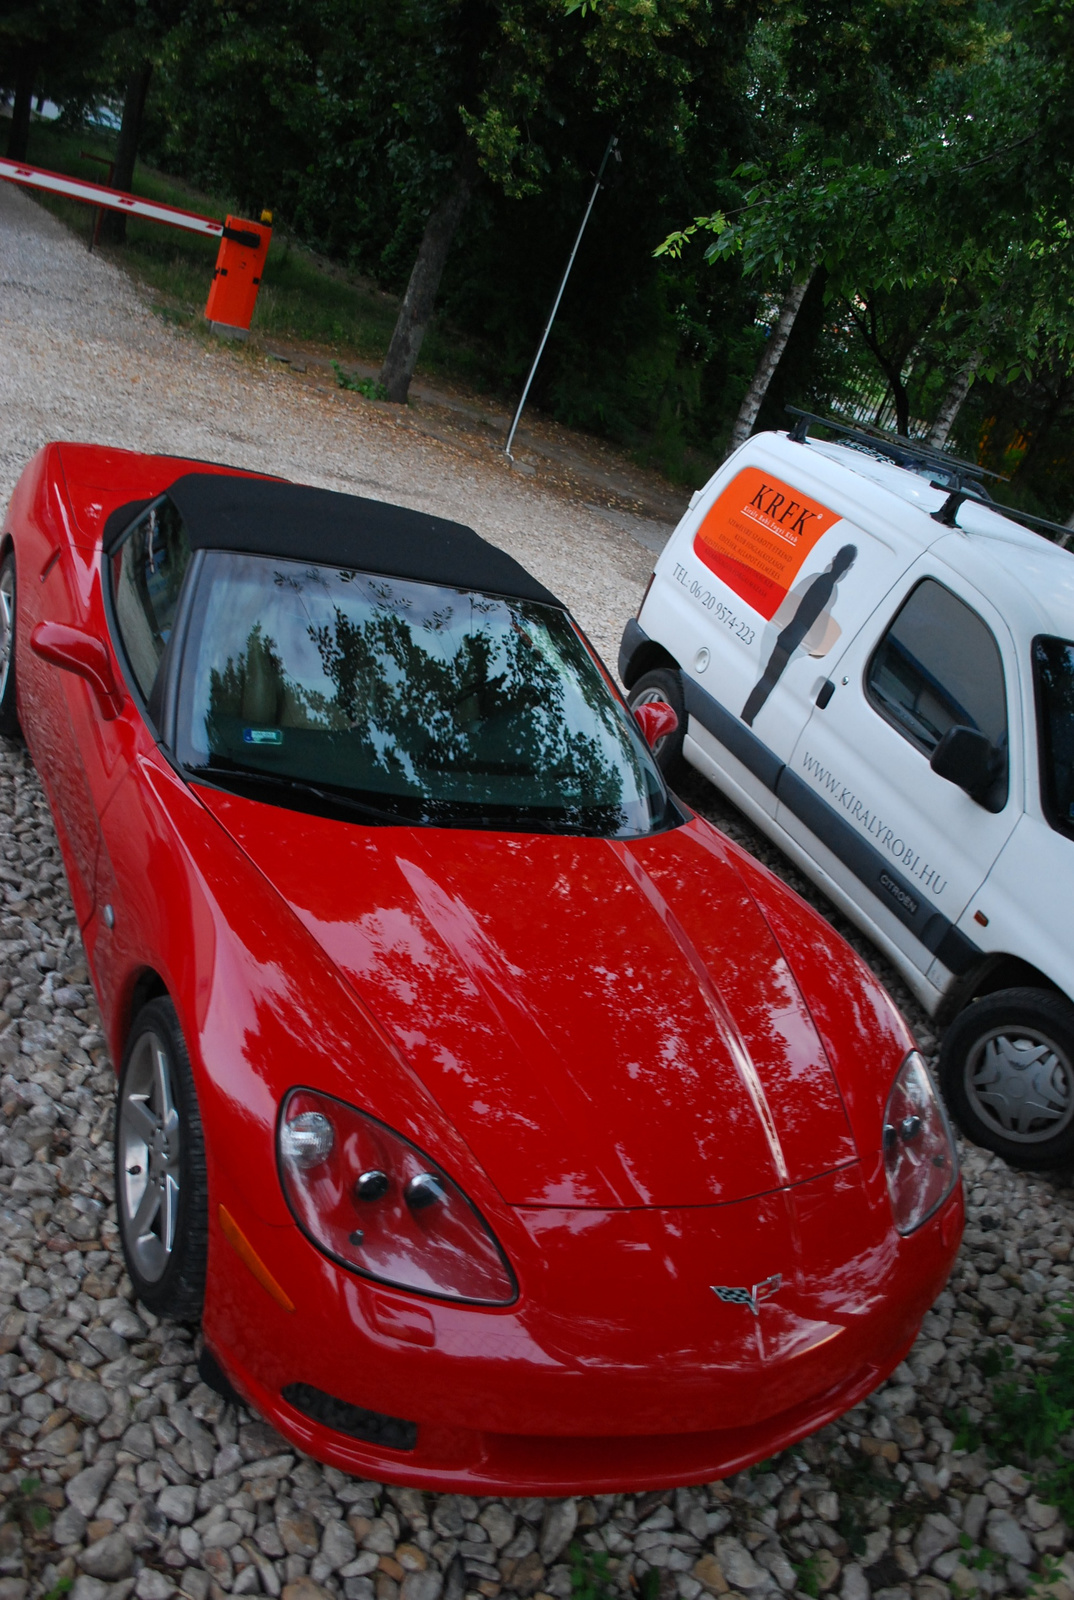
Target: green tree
(848,97)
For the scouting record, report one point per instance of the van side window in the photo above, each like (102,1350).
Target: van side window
(938,667)
(1053,676)
(147,575)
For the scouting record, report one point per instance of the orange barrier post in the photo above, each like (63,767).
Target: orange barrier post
(240,262)
(243,245)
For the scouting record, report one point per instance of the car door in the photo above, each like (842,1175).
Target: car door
(141,583)
(57,589)
(907,846)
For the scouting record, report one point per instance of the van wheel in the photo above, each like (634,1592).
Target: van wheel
(663,683)
(1007,1073)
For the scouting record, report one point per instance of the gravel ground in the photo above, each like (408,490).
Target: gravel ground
(120,1472)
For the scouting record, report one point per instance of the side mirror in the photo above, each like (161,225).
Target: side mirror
(656,719)
(965,756)
(81,653)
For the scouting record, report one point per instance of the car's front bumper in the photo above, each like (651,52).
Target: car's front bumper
(591,1382)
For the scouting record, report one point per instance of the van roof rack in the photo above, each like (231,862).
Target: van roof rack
(895,446)
(960,478)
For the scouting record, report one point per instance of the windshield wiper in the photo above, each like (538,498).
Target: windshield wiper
(275,780)
(227,772)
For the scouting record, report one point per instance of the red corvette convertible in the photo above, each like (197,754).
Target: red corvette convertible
(506,1127)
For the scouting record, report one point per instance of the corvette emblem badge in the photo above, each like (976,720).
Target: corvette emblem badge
(749,1297)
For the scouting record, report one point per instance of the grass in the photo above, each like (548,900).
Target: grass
(302,298)
(1030,1418)
(365,386)
(591,1577)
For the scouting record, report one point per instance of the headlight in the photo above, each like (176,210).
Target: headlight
(920,1158)
(373,1202)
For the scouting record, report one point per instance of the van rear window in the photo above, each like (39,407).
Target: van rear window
(1053,676)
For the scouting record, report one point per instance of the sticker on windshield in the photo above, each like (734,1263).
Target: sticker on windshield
(757,535)
(262,735)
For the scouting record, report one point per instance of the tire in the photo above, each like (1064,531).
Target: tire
(9,717)
(162,1196)
(1007,1074)
(664,683)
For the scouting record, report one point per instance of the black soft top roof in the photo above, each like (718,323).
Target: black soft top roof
(274,518)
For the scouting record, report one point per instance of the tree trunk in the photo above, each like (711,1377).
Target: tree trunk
(952,403)
(902,406)
(416,310)
(114,223)
(890,366)
(18,138)
(775,345)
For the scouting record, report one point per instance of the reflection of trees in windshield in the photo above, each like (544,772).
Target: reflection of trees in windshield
(491,710)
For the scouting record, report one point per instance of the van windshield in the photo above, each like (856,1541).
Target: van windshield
(1053,674)
(320,688)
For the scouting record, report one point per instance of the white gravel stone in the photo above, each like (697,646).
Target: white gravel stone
(1004,1536)
(85,1489)
(560,1521)
(153,1585)
(855,1585)
(109,1558)
(739,1567)
(87,1588)
(178,1503)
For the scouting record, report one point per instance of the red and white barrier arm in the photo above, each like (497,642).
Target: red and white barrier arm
(96,194)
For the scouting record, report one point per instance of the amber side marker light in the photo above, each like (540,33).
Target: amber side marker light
(249,1256)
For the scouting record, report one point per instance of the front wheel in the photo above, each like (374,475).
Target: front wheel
(1007,1072)
(664,683)
(9,717)
(161,1190)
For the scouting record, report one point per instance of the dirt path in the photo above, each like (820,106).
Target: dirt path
(82,356)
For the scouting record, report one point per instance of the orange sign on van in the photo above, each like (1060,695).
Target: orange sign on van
(757,535)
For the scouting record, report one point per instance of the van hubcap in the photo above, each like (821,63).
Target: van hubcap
(149,1159)
(1020,1083)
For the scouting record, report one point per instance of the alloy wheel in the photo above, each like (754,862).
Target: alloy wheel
(7,623)
(149,1151)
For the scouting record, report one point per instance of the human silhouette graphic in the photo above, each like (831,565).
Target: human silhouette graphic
(816,598)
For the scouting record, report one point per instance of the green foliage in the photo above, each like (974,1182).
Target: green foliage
(590,1578)
(808,1577)
(967,1432)
(1032,1415)
(649,1587)
(26,1508)
(369,387)
(911,160)
(980,1560)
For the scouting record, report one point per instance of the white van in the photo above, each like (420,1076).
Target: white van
(878,669)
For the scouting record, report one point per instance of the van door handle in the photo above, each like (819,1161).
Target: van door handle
(824,693)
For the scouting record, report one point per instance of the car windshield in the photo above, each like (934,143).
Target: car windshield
(327,688)
(1053,672)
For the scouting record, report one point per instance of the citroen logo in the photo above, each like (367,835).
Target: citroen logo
(749,1297)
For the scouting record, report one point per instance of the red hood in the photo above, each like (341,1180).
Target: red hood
(606,1023)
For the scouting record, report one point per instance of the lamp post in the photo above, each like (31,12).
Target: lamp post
(612,147)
